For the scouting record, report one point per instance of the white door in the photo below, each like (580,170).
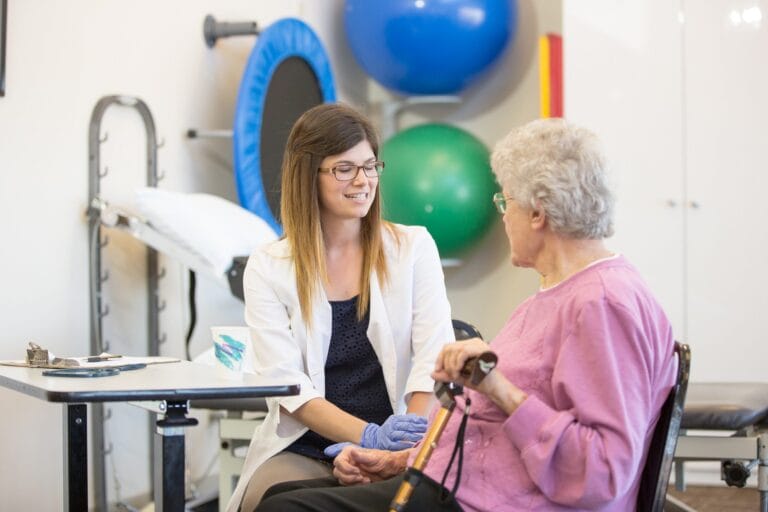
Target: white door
(678,93)
(726,148)
(623,79)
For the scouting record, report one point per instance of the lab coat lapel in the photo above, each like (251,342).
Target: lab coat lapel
(319,339)
(382,341)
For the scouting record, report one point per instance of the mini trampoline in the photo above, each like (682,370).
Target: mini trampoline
(288,72)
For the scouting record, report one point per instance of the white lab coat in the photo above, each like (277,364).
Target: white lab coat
(410,321)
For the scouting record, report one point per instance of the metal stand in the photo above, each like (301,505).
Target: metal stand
(97,277)
(391,109)
(169,469)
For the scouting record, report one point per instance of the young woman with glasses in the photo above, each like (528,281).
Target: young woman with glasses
(348,305)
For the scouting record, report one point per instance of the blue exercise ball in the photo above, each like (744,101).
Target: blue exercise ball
(428,46)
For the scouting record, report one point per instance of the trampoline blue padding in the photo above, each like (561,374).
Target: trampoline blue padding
(285,39)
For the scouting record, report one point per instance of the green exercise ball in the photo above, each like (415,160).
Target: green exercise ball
(439,176)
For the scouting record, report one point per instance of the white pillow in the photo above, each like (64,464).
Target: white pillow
(213,227)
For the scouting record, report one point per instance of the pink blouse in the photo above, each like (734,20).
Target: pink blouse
(595,354)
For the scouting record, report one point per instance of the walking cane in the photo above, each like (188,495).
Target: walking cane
(476,369)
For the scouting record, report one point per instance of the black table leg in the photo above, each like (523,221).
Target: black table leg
(169,470)
(76,458)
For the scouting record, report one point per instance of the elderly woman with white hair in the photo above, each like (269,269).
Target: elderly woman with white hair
(565,420)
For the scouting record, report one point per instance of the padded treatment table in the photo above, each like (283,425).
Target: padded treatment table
(725,406)
(737,408)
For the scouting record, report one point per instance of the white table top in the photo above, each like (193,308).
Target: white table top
(181,380)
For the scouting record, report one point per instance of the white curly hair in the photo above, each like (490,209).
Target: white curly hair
(558,167)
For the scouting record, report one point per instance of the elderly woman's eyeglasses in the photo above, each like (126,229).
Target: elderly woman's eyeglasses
(500,200)
(348,172)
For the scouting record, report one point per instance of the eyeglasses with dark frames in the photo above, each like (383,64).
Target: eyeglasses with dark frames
(348,172)
(500,200)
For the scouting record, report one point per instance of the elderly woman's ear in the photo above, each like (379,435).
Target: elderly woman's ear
(538,218)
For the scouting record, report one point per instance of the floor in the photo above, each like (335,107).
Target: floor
(703,499)
(719,499)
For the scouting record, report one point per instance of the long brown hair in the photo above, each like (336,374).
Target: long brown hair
(323,131)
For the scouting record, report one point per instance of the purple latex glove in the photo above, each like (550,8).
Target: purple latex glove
(335,449)
(398,432)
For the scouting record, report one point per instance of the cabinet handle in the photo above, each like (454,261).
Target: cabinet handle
(671,203)
(694,204)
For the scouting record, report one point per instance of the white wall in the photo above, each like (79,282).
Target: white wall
(62,57)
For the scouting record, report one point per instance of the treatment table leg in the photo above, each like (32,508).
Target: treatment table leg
(762,471)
